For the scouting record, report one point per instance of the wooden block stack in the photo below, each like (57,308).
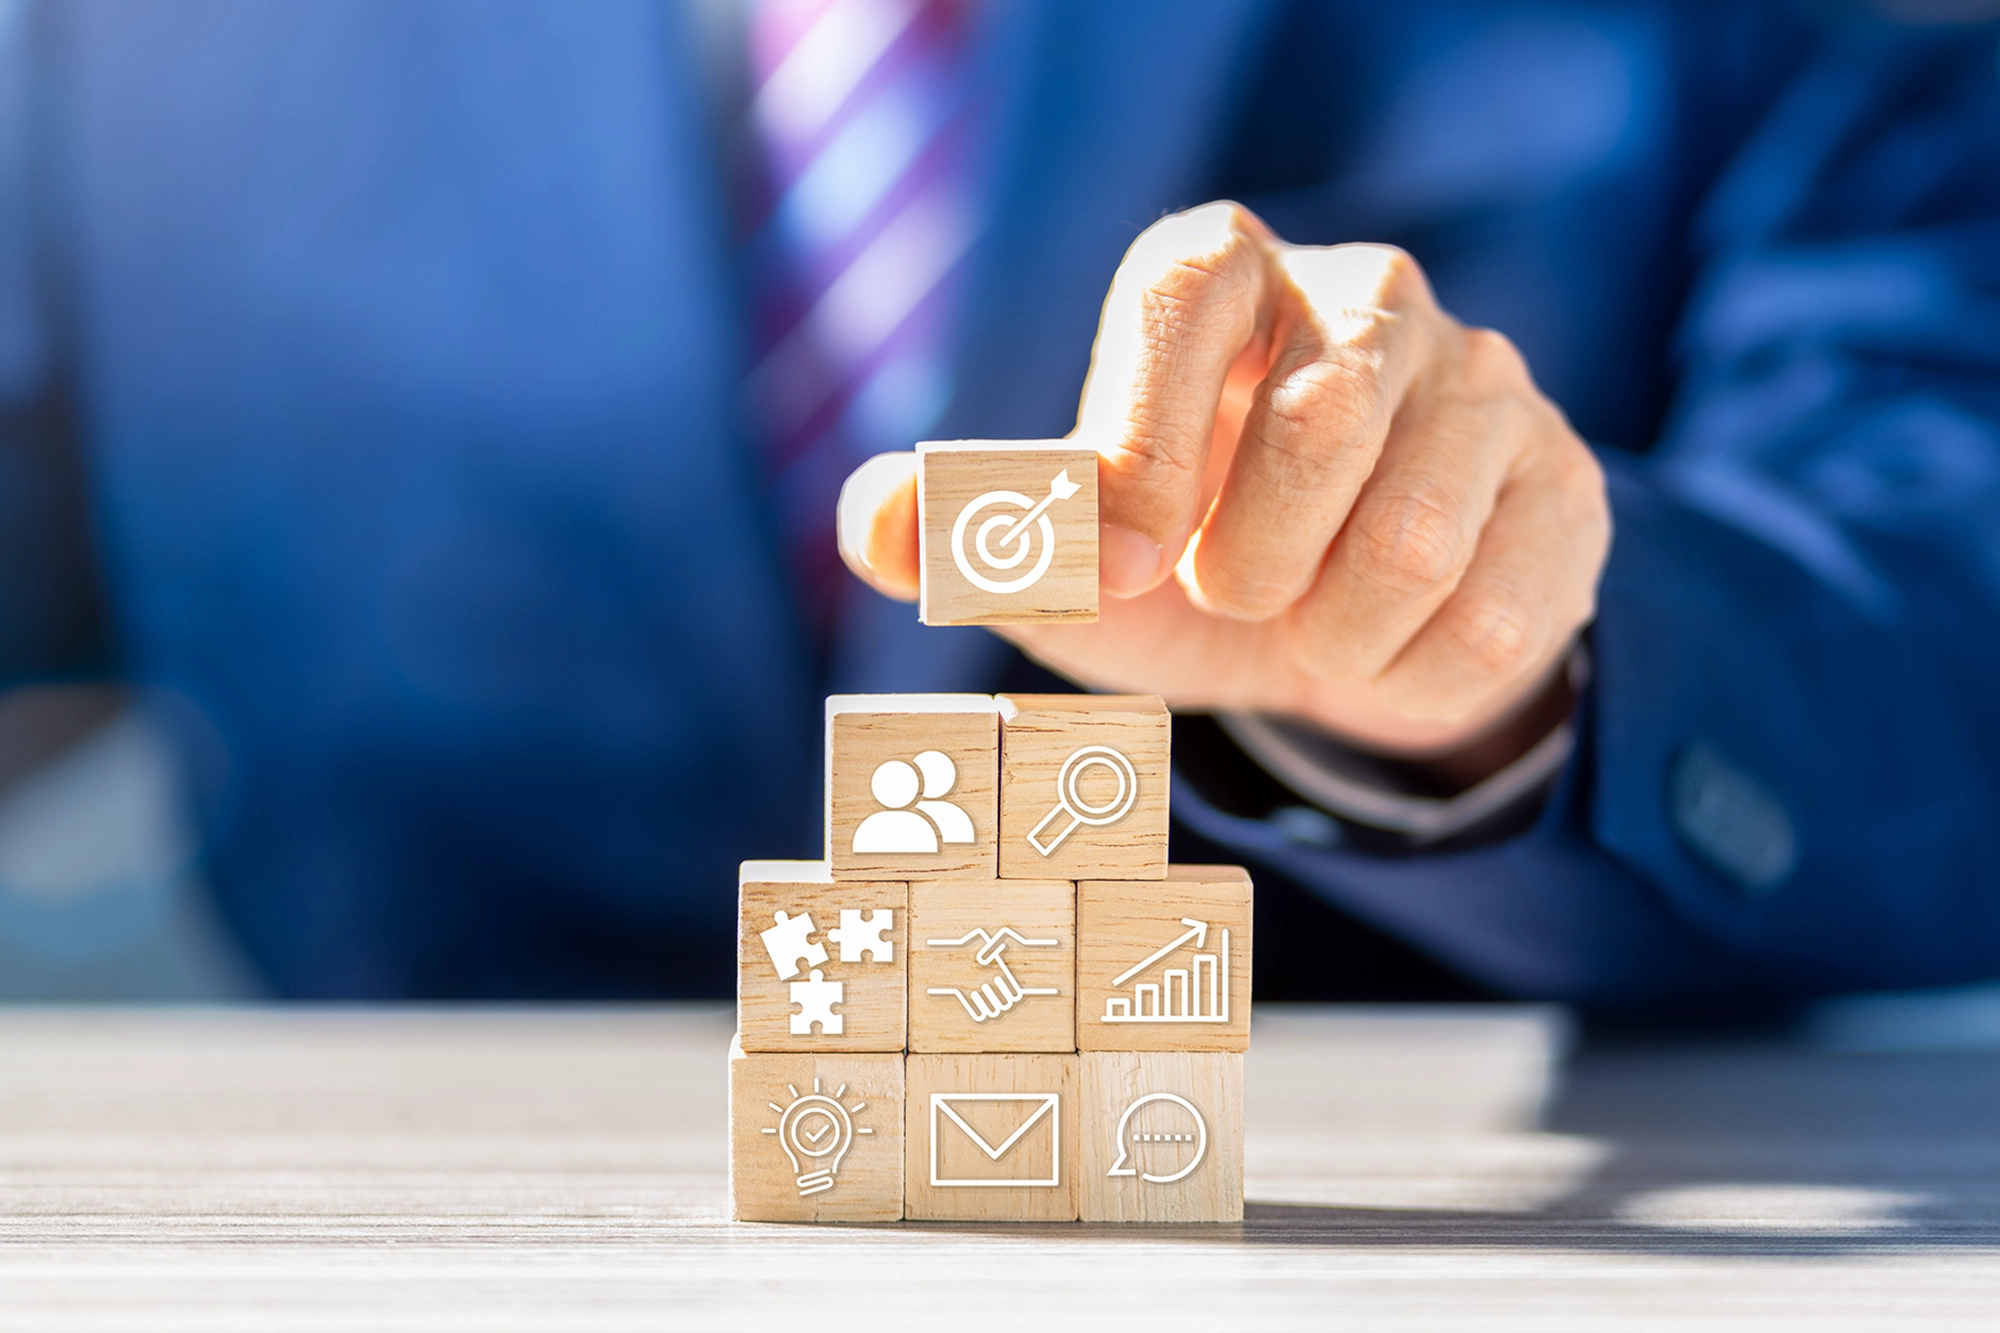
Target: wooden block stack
(994,999)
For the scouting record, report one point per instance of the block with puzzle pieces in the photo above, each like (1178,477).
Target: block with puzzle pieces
(821,966)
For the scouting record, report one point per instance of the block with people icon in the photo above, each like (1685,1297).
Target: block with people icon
(1066,1016)
(913,786)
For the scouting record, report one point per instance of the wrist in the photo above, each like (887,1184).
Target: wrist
(1498,777)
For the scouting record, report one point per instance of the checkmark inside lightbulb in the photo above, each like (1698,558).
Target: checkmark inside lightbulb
(816,1131)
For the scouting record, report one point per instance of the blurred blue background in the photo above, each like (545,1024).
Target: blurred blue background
(419,425)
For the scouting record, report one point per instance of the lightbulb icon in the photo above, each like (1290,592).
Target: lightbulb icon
(816,1131)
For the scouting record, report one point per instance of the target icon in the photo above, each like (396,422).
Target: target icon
(1003,541)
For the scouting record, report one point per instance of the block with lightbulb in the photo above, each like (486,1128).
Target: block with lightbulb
(815,1137)
(1069,1014)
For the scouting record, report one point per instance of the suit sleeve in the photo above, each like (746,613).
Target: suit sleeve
(1789,781)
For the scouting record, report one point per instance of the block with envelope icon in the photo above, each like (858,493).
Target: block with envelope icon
(1083,786)
(990,1138)
(1055,1028)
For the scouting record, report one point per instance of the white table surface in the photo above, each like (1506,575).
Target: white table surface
(1407,1169)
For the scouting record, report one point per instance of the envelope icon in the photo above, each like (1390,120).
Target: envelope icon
(1010,1139)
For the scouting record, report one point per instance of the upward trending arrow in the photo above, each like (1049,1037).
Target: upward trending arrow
(1198,932)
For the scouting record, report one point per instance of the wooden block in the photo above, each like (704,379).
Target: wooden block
(815,1138)
(1083,786)
(820,965)
(912,786)
(1162,1136)
(991,1138)
(1164,965)
(993,966)
(1006,531)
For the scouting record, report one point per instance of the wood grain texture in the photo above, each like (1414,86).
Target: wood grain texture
(1023,1106)
(866,731)
(1410,1169)
(1125,1159)
(957,475)
(1008,1019)
(1202,985)
(873,1008)
(1038,735)
(862,1157)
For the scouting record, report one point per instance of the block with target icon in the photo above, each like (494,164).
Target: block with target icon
(1083,786)
(820,965)
(912,785)
(1006,532)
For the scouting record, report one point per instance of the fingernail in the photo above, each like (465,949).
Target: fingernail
(1128,562)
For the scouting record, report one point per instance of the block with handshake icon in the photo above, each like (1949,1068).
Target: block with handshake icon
(994,999)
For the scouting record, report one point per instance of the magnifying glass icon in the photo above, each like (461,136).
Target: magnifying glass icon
(1069,797)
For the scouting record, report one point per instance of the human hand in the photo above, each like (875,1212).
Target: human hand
(1320,494)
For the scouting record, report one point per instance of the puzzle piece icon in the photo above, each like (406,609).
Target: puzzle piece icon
(787,944)
(868,933)
(815,999)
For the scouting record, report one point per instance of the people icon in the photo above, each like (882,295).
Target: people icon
(898,828)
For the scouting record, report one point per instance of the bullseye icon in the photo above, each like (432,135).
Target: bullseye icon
(1003,541)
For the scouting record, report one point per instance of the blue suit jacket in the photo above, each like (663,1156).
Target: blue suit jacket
(401,342)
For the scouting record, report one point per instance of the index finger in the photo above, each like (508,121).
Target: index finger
(1190,295)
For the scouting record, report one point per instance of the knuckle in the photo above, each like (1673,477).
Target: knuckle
(1180,257)
(1331,397)
(1243,585)
(1318,648)
(1405,545)
(1492,360)
(1494,633)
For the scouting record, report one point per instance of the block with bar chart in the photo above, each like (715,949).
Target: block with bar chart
(1164,965)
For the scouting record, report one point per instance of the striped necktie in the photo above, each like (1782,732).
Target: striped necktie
(862,214)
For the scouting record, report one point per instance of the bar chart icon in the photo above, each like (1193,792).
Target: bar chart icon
(1197,993)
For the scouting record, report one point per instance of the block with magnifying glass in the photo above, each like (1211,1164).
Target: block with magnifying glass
(815,1137)
(1084,786)
(1006,532)
(912,785)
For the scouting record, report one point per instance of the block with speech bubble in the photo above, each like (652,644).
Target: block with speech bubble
(1006,532)
(1162,1136)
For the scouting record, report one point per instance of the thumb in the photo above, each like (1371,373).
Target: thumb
(877,524)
